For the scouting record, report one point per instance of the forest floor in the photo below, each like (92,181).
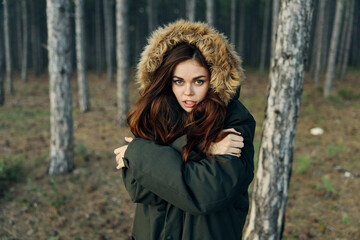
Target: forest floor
(91,203)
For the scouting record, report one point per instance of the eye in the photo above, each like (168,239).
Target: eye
(199,82)
(178,82)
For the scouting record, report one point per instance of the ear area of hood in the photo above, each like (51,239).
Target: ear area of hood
(226,71)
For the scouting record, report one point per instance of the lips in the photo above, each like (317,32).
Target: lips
(189,104)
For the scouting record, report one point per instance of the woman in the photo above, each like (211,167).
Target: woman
(189,176)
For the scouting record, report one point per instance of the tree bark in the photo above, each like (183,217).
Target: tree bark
(333,48)
(122,58)
(264,39)
(152,15)
(325,43)
(98,38)
(59,49)
(347,44)
(267,216)
(18,35)
(344,28)
(274,24)
(210,12)
(190,10)
(319,41)
(80,56)
(34,40)
(2,90)
(355,53)
(241,28)
(149,9)
(9,76)
(24,62)
(233,22)
(109,33)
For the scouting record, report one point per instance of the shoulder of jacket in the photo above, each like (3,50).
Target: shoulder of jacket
(237,112)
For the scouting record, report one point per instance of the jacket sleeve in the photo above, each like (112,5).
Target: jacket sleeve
(138,193)
(197,187)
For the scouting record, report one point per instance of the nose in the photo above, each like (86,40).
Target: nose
(189,91)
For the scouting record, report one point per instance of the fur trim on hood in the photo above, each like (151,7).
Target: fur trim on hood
(226,71)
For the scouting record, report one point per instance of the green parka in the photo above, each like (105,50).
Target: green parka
(207,197)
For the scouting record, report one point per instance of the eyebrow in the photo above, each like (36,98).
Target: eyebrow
(201,76)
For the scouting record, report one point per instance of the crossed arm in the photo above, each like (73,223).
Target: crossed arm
(231,144)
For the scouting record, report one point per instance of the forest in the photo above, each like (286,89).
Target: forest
(81,195)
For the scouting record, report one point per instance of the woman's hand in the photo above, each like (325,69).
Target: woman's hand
(231,144)
(120,152)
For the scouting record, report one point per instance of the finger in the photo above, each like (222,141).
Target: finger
(237,144)
(117,150)
(236,138)
(117,159)
(235,150)
(120,149)
(128,139)
(231,130)
(119,166)
(236,155)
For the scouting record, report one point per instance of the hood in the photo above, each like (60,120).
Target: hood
(225,65)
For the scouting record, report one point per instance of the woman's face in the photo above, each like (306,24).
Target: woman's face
(190,84)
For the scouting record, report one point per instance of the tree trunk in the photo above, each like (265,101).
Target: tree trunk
(190,10)
(267,216)
(344,28)
(59,49)
(80,56)
(325,43)
(241,28)
(8,49)
(319,41)
(314,35)
(264,39)
(34,40)
(233,22)
(98,38)
(24,75)
(357,39)
(347,40)
(109,33)
(274,24)
(122,58)
(210,12)
(150,8)
(18,35)
(355,53)
(333,48)
(2,90)
(138,38)
(38,44)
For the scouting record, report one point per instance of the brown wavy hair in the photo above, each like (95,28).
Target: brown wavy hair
(160,118)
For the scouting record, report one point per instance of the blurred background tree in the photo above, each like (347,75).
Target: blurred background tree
(249,24)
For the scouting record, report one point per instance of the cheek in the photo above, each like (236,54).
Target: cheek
(203,92)
(176,91)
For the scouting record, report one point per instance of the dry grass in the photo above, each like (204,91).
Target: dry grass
(91,203)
